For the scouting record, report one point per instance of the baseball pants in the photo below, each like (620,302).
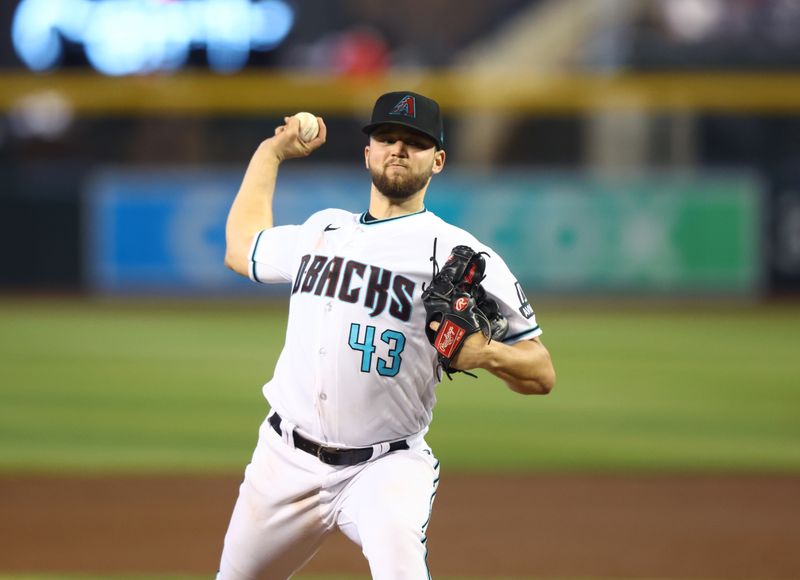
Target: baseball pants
(290,501)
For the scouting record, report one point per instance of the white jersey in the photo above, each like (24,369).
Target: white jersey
(357,368)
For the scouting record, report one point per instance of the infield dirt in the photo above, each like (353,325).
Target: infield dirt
(613,526)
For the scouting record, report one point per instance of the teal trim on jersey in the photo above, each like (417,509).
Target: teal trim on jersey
(253,257)
(516,336)
(383,221)
(430,512)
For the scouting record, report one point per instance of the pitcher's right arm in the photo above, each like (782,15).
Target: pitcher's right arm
(251,211)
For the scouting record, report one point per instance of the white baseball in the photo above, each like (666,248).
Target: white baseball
(309,127)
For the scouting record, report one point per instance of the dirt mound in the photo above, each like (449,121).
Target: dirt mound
(617,526)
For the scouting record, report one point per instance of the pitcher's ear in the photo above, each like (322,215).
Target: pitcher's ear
(438,160)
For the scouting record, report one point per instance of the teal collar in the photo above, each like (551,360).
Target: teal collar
(383,221)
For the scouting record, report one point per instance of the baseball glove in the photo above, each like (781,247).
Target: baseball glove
(456,299)
(498,323)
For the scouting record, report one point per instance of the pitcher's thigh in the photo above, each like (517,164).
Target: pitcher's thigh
(386,510)
(265,540)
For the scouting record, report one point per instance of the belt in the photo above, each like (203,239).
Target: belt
(333,455)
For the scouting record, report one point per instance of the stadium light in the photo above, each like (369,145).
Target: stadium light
(124,37)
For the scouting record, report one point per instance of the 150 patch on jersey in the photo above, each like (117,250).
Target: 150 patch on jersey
(525,307)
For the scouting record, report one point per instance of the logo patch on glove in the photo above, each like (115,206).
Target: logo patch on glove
(461,303)
(450,335)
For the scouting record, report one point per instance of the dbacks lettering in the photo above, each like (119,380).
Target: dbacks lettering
(353,282)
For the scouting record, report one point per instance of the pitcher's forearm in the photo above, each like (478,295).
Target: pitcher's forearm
(526,367)
(251,210)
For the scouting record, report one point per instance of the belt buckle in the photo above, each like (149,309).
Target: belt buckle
(328,452)
(331,454)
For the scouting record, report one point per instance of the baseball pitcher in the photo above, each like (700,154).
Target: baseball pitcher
(383,304)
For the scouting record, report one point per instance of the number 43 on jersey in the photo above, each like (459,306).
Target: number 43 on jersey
(395,340)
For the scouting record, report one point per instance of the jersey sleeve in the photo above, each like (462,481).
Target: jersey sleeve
(503,286)
(272,254)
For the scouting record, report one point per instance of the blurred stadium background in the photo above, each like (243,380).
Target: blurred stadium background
(654,144)
(636,161)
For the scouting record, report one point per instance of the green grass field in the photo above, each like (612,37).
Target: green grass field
(175,386)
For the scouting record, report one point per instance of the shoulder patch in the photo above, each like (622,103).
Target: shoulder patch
(525,307)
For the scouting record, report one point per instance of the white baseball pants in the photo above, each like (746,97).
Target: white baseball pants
(289,501)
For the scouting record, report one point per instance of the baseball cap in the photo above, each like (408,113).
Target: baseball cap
(409,110)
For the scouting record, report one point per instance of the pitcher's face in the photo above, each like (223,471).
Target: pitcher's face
(401,161)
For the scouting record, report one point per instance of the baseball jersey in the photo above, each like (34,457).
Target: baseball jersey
(357,368)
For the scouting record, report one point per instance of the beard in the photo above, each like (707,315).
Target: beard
(401,186)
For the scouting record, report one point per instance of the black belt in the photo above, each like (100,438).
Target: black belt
(332,455)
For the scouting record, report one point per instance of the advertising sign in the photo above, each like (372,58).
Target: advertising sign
(161,230)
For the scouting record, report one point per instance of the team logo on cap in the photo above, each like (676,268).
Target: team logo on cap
(407,107)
